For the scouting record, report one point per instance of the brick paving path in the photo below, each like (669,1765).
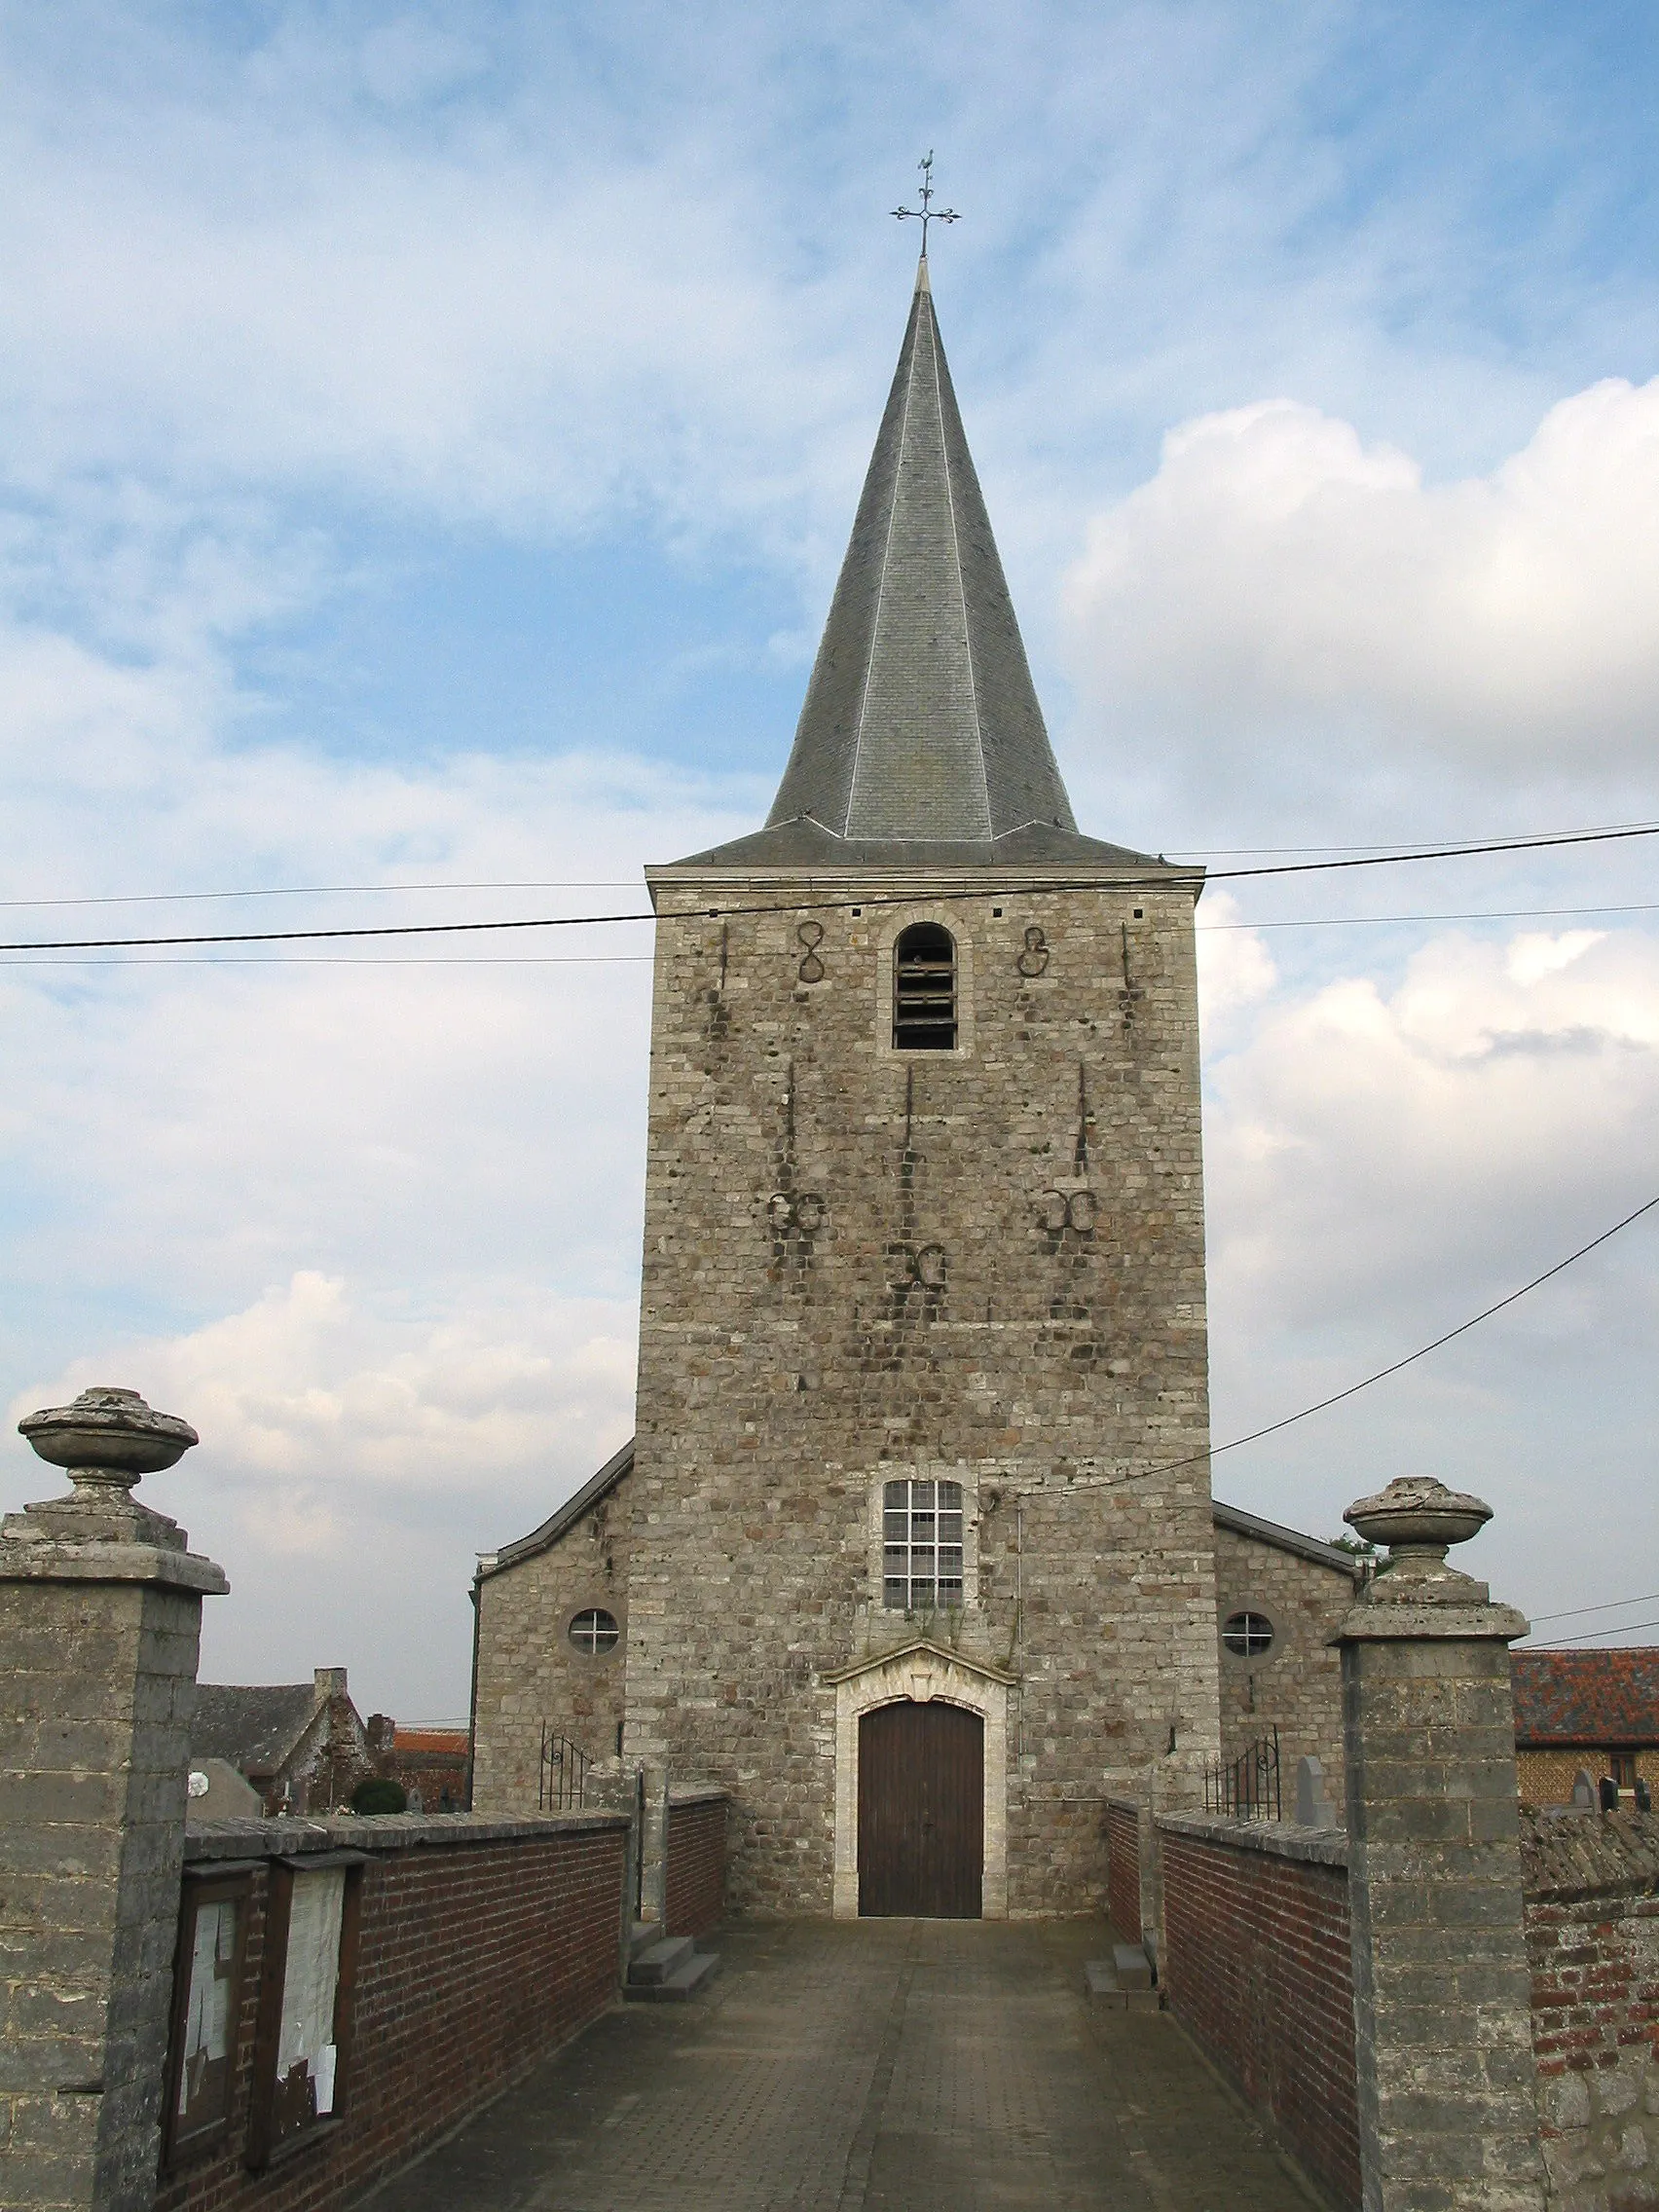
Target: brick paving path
(905,2065)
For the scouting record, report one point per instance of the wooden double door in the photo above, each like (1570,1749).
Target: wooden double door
(921,1811)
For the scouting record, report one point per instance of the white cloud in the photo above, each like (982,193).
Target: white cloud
(1383,1161)
(354,1457)
(1235,969)
(1280,574)
(1365,1143)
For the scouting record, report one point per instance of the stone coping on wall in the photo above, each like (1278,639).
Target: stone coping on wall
(1279,1839)
(279,1835)
(1125,1804)
(695,1795)
(1567,1856)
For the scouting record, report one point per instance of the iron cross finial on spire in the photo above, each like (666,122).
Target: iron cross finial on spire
(927,212)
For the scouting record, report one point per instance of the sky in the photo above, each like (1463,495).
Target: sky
(427,439)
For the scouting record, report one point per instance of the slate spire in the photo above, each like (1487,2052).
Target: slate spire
(921,722)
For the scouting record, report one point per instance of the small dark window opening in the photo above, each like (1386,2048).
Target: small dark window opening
(1247,1635)
(1621,1765)
(924,990)
(595,1632)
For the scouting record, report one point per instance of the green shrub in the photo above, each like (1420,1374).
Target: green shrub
(377,1793)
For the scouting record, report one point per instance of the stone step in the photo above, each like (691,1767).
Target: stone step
(658,1960)
(685,1981)
(1133,1966)
(641,1935)
(1103,1988)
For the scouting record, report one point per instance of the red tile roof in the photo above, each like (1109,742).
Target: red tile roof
(1600,1699)
(451,1740)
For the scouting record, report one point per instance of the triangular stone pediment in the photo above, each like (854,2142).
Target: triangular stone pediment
(930,1661)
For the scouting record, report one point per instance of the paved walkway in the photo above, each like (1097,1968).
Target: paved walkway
(906,2065)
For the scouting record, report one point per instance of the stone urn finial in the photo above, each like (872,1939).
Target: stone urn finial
(108,1438)
(1419,1519)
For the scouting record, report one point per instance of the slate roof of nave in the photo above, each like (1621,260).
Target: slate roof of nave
(620,1463)
(921,739)
(252,1726)
(565,1516)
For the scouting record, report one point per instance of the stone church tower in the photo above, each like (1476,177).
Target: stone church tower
(914,1549)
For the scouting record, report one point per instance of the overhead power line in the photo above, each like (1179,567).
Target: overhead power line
(1563,1642)
(1471,914)
(1612,1605)
(626,883)
(1166,880)
(623,959)
(1422,1352)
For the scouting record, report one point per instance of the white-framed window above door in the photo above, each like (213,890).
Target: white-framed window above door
(922,1546)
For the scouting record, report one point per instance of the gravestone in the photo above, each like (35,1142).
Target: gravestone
(1313,1809)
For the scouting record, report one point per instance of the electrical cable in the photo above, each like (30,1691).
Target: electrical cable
(1482,914)
(600,883)
(1563,1643)
(1167,879)
(1422,1352)
(1612,1605)
(598,959)
(328,890)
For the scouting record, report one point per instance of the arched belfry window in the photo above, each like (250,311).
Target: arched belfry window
(924,989)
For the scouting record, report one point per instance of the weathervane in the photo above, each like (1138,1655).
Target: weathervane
(927,212)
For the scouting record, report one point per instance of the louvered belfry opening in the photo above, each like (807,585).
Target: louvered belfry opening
(924,989)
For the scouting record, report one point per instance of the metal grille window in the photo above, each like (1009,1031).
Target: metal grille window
(595,1632)
(1247,1635)
(921,1545)
(924,989)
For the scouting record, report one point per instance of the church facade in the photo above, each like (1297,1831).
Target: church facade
(914,1550)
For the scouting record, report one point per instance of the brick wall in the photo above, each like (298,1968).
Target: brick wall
(1256,1963)
(697,1863)
(483,1944)
(1122,1869)
(1547,1776)
(1593,1940)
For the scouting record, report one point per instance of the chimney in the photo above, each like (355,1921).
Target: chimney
(331,1681)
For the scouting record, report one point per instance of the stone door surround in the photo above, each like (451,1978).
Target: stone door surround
(921,1669)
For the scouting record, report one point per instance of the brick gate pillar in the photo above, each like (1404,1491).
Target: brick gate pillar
(101,1613)
(1447,2100)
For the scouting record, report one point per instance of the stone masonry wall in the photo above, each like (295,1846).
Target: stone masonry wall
(1257,1964)
(1593,1940)
(94,1757)
(696,1865)
(1123,1870)
(1297,1684)
(528,1671)
(985,1265)
(482,1947)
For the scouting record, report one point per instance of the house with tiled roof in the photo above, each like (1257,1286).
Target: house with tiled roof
(1590,1711)
(302,1746)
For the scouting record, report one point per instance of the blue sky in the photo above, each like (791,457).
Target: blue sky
(429,436)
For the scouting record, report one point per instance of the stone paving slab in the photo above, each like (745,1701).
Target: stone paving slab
(846,2067)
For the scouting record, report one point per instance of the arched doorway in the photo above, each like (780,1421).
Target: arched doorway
(921,1811)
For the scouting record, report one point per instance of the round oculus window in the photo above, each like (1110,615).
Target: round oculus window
(595,1632)
(1247,1636)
